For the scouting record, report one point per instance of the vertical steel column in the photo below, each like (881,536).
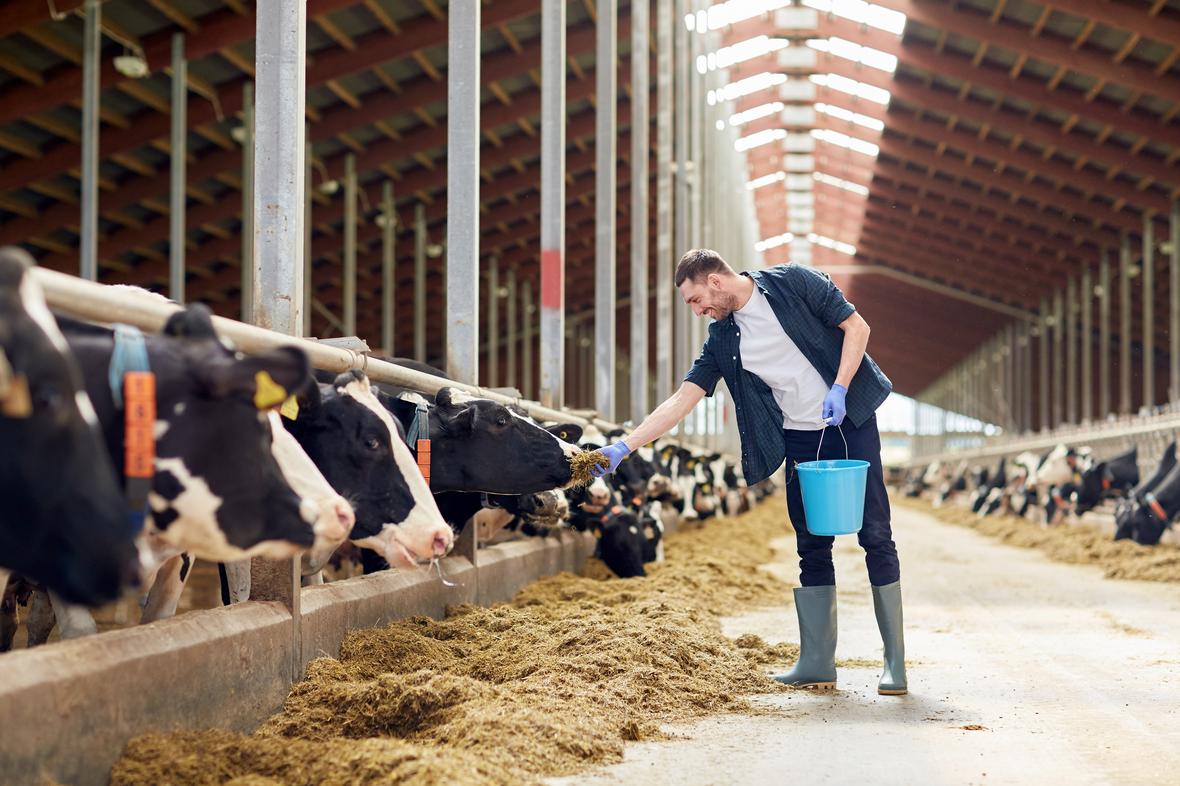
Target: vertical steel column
(1086,302)
(348,285)
(248,205)
(605,210)
(91,72)
(553,65)
(1174,303)
(1104,403)
(526,353)
(308,251)
(493,318)
(420,282)
(1028,376)
(696,122)
(684,74)
(513,319)
(178,151)
(1071,352)
(1058,358)
(388,268)
(639,204)
(663,264)
(461,284)
(1148,311)
(1043,362)
(1125,404)
(279,147)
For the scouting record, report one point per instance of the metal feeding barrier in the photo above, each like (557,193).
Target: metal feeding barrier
(100,303)
(1150,432)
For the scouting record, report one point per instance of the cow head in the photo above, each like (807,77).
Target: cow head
(62,515)
(480,445)
(355,442)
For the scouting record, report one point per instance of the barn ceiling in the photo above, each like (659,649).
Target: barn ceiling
(1002,150)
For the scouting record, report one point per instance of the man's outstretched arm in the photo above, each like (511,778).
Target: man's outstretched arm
(655,425)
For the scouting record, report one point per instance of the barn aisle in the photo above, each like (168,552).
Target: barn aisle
(1022,670)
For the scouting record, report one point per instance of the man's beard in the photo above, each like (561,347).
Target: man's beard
(726,304)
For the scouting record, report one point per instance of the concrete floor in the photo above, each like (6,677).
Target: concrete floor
(1021,671)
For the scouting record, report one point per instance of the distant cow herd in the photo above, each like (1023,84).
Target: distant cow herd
(1064,481)
(125,456)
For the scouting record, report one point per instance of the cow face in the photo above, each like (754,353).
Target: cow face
(480,445)
(336,516)
(62,515)
(354,441)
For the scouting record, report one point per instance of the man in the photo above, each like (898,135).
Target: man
(792,352)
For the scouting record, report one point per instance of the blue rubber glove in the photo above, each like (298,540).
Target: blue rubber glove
(833,410)
(615,452)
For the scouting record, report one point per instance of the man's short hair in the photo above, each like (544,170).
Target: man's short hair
(700,262)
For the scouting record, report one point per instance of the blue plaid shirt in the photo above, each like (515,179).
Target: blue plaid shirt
(809,306)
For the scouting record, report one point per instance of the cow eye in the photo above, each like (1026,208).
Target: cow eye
(47,398)
(372,443)
(502,420)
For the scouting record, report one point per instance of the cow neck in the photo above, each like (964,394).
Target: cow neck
(418,438)
(133,388)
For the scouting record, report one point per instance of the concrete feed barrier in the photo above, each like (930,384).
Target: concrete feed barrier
(68,708)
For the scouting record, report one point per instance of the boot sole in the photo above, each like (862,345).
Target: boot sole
(816,686)
(889,692)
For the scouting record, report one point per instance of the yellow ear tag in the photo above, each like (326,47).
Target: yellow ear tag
(290,408)
(267,392)
(17,403)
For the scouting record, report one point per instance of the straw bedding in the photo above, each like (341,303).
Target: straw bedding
(1122,559)
(549,684)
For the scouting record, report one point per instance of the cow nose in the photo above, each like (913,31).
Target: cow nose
(441,545)
(345,517)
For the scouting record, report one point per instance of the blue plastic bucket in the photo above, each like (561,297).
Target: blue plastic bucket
(833,493)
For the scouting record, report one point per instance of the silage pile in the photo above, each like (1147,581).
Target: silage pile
(549,684)
(1083,545)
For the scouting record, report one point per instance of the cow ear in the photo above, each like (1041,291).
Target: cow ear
(462,422)
(267,379)
(310,399)
(443,398)
(566,432)
(194,321)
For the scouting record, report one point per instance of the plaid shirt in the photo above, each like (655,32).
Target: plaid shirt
(809,306)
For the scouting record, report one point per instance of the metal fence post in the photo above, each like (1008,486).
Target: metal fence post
(1071,352)
(1125,404)
(91,74)
(420,282)
(1148,310)
(513,319)
(348,274)
(388,269)
(493,323)
(280,53)
(1087,306)
(177,152)
(639,207)
(461,283)
(663,265)
(1104,403)
(553,65)
(605,211)
(1043,363)
(1174,303)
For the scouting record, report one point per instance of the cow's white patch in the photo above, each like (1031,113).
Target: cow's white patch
(412,397)
(633,529)
(160,429)
(73,622)
(424,523)
(591,435)
(195,529)
(461,397)
(4,574)
(646,453)
(82,401)
(178,410)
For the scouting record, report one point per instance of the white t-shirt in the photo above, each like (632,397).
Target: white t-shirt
(771,354)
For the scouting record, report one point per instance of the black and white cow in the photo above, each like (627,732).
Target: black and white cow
(1137,517)
(1106,480)
(62,516)
(481,445)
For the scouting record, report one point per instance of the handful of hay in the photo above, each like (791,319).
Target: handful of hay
(581,464)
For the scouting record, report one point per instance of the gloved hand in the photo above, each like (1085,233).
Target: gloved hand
(833,410)
(616,452)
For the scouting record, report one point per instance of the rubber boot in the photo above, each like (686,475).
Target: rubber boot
(816,667)
(887,604)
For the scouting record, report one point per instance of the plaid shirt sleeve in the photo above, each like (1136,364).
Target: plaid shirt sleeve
(820,293)
(705,372)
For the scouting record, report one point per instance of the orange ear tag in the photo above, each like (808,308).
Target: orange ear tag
(139,440)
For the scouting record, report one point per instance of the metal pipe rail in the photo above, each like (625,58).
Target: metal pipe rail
(1124,429)
(108,304)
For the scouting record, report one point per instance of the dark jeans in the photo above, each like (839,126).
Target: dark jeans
(876,537)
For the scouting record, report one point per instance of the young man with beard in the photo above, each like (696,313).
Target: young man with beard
(792,352)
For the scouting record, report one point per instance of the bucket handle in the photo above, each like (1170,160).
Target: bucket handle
(821,441)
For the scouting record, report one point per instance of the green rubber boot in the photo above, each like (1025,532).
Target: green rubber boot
(887,604)
(816,667)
